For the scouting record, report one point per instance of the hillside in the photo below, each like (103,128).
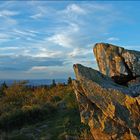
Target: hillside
(39,113)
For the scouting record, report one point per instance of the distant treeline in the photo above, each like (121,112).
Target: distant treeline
(30,85)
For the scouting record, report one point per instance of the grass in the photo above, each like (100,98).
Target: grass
(39,113)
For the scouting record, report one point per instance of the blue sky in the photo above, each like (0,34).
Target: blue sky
(43,39)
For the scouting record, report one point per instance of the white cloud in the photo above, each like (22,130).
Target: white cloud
(49,54)
(51,71)
(79,52)
(40,50)
(4,36)
(72,27)
(75,8)
(96,7)
(11,21)
(37,16)
(40,11)
(113,39)
(9,48)
(24,33)
(64,35)
(62,40)
(38,68)
(7,23)
(8,13)
(33,31)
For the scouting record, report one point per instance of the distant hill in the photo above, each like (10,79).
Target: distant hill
(34,82)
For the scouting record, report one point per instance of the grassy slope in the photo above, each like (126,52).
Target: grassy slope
(54,128)
(39,114)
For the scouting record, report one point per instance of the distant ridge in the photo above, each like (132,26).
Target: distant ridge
(33,82)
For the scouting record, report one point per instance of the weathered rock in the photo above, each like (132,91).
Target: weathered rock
(116,62)
(111,110)
(134,82)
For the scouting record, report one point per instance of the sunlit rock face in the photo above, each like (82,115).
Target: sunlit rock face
(111,110)
(116,62)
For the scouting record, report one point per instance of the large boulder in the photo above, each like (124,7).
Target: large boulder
(111,110)
(107,105)
(116,62)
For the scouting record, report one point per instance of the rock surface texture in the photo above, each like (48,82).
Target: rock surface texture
(111,110)
(116,62)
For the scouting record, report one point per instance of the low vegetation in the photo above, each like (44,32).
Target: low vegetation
(40,113)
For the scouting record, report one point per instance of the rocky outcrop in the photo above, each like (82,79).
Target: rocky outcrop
(111,110)
(116,62)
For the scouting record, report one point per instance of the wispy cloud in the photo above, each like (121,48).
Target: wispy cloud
(36,16)
(47,54)
(49,37)
(75,9)
(113,39)
(24,33)
(79,52)
(38,68)
(40,10)
(8,13)
(3,36)
(9,48)
(62,40)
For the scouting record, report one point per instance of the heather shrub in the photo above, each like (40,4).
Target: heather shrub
(25,115)
(26,106)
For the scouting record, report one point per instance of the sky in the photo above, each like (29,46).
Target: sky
(43,39)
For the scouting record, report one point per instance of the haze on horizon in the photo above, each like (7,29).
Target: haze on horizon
(43,39)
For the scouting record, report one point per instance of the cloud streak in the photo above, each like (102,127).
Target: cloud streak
(113,39)
(8,13)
